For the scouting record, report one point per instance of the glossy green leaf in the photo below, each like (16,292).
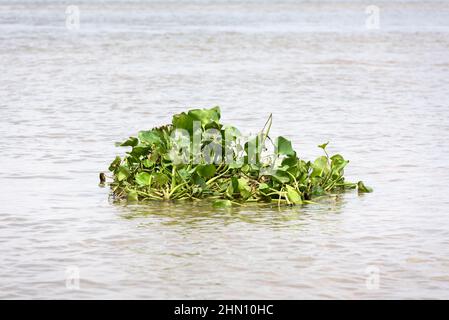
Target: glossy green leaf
(293,195)
(362,188)
(231,132)
(206,170)
(149,137)
(236,165)
(143,179)
(160,178)
(317,190)
(281,176)
(148,163)
(131,142)
(338,163)
(284,147)
(205,116)
(264,186)
(244,188)
(320,166)
(290,162)
(139,151)
(183,121)
(323,146)
(132,196)
(184,173)
(123,173)
(115,164)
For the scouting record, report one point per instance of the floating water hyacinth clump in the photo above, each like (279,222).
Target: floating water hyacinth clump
(196,157)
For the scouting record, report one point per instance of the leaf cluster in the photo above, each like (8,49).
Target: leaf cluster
(232,172)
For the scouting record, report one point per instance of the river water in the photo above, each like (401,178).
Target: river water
(377,89)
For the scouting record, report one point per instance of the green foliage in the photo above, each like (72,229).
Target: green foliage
(244,174)
(285,147)
(293,195)
(143,179)
(206,171)
(362,188)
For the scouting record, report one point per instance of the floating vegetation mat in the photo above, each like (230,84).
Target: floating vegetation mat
(196,157)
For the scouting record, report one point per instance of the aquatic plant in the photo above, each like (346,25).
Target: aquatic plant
(197,157)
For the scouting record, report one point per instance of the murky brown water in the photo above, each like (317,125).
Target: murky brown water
(380,96)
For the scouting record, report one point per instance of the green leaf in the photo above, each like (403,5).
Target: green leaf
(235,183)
(131,142)
(206,116)
(222,204)
(293,195)
(317,191)
(160,178)
(320,166)
(132,195)
(290,161)
(148,163)
(206,170)
(199,181)
(183,121)
(231,132)
(284,147)
(323,146)
(263,186)
(115,164)
(143,179)
(139,150)
(244,188)
(149,137)
(184,173)
(236,165)
(123,173)
(233,187)
(362,188)
(229,191)
(338,163)
(281,176)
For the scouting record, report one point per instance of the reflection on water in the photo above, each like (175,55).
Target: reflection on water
(379,96)
(199,214)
